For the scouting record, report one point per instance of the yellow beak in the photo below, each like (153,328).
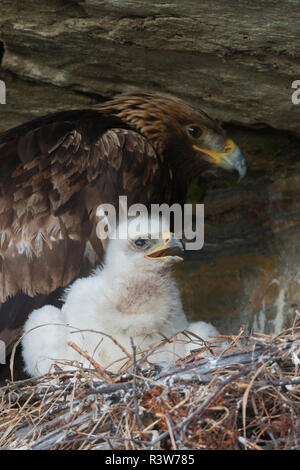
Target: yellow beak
(231,158)
(166,252)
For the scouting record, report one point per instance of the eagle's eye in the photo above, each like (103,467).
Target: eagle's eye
(194,131)
(140,242)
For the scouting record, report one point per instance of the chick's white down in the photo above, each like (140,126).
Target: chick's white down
(132,296)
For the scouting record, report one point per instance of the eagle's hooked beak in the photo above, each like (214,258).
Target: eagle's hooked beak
(166,252)
(231,158)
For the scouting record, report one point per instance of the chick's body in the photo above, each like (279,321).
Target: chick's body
(133,296)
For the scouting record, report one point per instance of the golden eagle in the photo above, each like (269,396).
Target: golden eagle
(57,169)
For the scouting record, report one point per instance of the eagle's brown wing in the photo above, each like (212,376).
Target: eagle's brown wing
(53,177)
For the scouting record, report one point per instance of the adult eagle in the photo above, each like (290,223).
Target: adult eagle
(56,170)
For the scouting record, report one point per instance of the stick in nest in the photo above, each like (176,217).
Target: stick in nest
(136,405)
(95,364)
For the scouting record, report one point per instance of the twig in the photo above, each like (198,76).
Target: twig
(95,364)
(171,430)
(245,397)
(136,405)
(203,406)
(35,413)
(206,366)
(77,330)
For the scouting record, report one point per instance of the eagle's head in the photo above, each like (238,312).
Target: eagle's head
(183,137)
(143,245)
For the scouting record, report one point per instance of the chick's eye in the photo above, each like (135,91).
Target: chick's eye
(195,131)
(140,242)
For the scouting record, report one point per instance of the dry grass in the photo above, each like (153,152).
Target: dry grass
(235,392)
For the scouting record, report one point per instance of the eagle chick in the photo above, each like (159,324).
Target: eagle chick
(133,296)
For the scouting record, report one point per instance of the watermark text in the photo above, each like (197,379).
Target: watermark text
(2,352)
(187,221)
(296,93)
(2,92)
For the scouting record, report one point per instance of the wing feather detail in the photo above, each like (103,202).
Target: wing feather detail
(55,174)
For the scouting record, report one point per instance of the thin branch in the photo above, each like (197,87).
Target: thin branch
(95,364)
(136,404)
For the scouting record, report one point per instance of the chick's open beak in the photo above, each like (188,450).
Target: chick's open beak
(230,158)
(168,250)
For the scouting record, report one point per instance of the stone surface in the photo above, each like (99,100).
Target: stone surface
(235,60)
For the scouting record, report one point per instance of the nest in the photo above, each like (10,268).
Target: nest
(233,392)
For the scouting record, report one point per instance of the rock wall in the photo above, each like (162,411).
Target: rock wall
(235,60)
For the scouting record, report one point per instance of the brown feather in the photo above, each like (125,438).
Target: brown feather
(56,170)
